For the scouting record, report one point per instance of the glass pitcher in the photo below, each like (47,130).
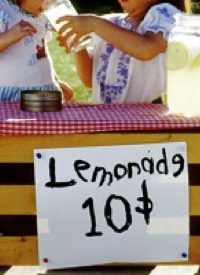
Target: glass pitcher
(58,8)
(183,75)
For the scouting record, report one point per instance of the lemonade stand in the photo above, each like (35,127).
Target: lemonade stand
(94,126)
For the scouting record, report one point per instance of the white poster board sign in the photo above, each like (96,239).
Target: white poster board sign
(110,204)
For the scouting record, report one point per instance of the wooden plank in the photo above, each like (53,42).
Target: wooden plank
(26,225)
(194,174)
(17,200)
(194,257)
(104,269)
(20,148)
(195,201)
(18,225)
(20,200)
(16,173)
(23,174)
(194,225)
(18,251)
(24,251)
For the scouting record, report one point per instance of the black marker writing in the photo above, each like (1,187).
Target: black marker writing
(108,213)
(147,204)
(52,174)
(178,159)
(93,233)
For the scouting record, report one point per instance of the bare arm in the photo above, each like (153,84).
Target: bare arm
(142,47)
(15,34)
(84,67)
(83,62)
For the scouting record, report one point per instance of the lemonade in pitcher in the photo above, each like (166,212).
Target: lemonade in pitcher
(183,76)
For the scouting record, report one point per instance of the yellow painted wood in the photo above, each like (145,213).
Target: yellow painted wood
(24,251)
(194,250)
(17,200)
(195,201)
(20,200)
(20,149)
(18,251)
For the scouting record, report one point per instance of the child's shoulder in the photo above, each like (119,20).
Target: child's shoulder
(8,7)
(164,9)
(114,16)
(119,19)
(159,18)
(4,4)
(5,18)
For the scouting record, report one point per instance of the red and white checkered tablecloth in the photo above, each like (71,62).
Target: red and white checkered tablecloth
(76,118)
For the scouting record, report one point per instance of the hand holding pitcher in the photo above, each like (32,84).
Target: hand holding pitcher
(75,30)
(60,14)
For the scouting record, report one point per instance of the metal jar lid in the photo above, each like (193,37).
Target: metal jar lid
(41,101)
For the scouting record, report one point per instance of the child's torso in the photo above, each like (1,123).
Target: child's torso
(25,63)
(142,85)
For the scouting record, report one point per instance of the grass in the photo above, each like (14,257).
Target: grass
(64,64)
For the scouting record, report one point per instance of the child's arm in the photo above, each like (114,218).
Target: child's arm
(15,34)
(143,47)
(83,63)
(66,90)
(84,67)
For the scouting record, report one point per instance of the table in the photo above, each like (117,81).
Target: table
(76,118)
(78,126)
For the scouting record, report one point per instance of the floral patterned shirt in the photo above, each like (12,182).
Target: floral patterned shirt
(119,78)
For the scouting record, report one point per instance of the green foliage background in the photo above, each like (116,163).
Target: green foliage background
(64,65)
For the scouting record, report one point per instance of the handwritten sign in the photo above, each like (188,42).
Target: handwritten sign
(109,204)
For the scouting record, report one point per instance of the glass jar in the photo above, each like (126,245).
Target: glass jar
(55,9)
(183,74)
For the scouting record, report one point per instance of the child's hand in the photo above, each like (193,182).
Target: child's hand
(20,30)
(67,90)
(76,26)
(15,34)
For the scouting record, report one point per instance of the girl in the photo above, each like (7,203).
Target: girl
(128,61)
(24,64)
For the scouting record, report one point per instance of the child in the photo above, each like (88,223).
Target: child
(128,62)
(24,64)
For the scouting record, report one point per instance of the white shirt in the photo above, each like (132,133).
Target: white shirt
(21,65)
(119,78)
